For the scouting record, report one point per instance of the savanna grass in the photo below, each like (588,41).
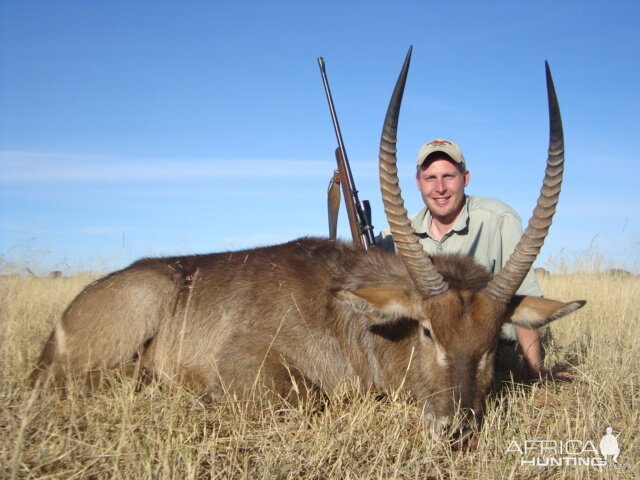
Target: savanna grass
(164,431)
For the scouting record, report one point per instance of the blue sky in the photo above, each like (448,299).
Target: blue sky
(132,128)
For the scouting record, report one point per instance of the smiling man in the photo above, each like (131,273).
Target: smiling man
(486,229)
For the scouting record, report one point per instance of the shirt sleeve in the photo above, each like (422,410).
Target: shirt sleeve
(385,240)
(511,231)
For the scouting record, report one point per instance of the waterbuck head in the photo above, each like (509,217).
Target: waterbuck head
(459,322)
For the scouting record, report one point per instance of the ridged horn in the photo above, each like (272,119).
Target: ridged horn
(505,284)
(426,278)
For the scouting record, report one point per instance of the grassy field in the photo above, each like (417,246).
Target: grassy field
(166,432)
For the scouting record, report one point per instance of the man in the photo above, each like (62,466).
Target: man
(484,228)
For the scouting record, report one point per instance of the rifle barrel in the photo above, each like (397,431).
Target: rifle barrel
(336,128)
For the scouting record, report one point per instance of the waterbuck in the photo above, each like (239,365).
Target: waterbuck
(317,312)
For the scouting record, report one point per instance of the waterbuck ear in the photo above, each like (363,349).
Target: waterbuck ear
(535,312)
(389,303)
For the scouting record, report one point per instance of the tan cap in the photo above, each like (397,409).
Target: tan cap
(441,145)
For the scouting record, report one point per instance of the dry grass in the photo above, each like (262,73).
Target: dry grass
(154,432)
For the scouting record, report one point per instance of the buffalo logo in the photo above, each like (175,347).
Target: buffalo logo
(439,143)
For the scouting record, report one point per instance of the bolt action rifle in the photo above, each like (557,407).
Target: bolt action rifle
(359,212)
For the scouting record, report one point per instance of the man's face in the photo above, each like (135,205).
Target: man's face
(442,188)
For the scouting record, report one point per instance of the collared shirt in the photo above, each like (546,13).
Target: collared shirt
(486,229)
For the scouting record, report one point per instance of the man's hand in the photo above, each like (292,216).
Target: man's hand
(530,344)
(560,376)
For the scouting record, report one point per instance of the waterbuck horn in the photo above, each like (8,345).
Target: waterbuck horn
(505,284)
(426,278)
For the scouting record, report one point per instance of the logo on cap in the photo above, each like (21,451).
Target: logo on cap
(439,143)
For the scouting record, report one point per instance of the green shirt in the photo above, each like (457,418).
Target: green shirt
(486,229)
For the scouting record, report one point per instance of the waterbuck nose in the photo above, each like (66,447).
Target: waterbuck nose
(463,437)
(458,432)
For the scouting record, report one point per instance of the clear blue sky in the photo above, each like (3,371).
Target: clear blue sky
(132,128)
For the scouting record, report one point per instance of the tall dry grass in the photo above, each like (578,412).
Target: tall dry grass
(166,432)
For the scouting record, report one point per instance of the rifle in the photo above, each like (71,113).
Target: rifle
(358,212)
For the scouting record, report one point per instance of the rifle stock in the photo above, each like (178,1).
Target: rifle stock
(349,203)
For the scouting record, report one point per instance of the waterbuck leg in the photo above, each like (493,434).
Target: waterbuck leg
(111,321)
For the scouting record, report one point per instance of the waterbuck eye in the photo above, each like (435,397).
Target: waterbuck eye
(427,332)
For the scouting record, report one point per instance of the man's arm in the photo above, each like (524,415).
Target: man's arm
(529,340)
(510,232)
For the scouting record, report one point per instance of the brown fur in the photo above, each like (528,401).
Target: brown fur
(309,312)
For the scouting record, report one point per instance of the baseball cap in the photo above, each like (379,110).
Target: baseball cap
(441,145)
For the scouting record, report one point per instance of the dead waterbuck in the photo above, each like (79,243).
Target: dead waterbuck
(317,312)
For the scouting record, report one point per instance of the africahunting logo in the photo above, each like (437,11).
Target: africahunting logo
(549,453)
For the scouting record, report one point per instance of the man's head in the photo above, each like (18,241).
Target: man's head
(441,178)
